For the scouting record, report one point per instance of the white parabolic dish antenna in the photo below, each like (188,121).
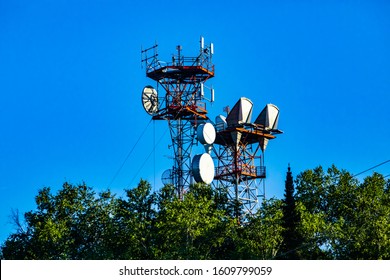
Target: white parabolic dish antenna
(203,168)
(206,133)
(150,100)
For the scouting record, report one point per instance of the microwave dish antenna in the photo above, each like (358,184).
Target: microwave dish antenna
(150,100)
(206,133)
(167,177)
(203,168)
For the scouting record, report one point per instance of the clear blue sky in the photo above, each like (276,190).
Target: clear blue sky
(71,79)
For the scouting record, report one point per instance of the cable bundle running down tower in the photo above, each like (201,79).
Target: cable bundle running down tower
(183,106)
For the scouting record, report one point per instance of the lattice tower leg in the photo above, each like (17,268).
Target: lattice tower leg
(183,138)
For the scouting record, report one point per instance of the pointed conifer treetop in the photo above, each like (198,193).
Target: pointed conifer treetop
(292,239)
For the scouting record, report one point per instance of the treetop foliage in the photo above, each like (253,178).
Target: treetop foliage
(324,215)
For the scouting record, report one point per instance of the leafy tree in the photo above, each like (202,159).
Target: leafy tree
(322,200)
(331,216)
(365,228)
(135,221)
(192,227)
(342,218)
(72,224)
(261,237)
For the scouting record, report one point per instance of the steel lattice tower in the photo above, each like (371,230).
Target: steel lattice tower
(240,169)
(183,105)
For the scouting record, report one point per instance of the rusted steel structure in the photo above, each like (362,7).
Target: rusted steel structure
(183,104)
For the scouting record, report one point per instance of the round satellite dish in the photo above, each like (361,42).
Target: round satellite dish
(150,100)
(203,168)
(206,133)
(167,177)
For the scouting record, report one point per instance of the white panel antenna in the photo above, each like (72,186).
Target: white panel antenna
(212,96)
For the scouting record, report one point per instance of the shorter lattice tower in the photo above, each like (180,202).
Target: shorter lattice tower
(240,167)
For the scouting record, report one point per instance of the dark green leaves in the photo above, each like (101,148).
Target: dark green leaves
(331,215)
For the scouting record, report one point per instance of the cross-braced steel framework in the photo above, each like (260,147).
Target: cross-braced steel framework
(240,170)
(183,105)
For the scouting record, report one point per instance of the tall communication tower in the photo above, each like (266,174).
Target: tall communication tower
(183,106)
(237,141)
(240,170)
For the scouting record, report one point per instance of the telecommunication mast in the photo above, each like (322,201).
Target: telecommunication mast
(182,103)
(240,169)
(234,140)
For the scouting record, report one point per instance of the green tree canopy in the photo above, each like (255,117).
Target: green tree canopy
(343,218)
(331,215)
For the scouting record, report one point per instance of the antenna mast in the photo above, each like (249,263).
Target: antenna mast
(182,105)
(240,170)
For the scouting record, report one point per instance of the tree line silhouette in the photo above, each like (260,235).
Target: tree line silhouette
(323,215)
